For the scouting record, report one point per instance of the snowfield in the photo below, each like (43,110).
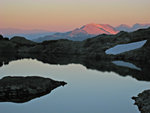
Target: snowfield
(126,64)
(120,48)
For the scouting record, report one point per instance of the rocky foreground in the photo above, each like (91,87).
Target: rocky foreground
(23,89)
(143,101)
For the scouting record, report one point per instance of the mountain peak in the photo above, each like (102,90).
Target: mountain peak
(96,29)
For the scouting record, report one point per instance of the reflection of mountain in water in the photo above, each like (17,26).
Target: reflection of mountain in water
(137,70)
(23,89)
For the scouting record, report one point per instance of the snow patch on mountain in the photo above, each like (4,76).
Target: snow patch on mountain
(120,48)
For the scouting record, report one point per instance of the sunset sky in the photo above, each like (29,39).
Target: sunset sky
(63,15)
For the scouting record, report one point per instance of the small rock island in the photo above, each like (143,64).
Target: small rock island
(23,89)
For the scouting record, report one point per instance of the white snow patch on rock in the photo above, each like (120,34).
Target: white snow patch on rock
(125,47)
(126,64)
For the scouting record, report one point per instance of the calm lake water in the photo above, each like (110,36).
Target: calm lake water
(87,91)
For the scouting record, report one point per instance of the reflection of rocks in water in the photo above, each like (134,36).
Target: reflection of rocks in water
(138,70)
(23,89)
(109,66)
(126,64)
(140,73)
(143,101)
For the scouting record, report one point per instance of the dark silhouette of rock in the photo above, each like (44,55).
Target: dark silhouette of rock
(23,89)
(143,101)
(1,37)
(22,41)
(7,47)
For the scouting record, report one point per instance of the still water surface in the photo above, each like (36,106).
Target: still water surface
(87,91)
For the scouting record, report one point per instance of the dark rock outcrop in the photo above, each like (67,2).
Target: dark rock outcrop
(143,101)
(6,46)
(1,36)
(23,89)
(21,41)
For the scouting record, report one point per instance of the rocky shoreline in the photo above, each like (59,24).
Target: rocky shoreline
(143,101)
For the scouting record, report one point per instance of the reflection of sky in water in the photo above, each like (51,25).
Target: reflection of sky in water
(87,91)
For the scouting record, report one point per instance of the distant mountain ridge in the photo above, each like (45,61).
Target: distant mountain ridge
(29,34)
(91,30)
(79,34)
(124,27)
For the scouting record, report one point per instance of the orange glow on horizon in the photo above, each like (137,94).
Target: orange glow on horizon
(56,15)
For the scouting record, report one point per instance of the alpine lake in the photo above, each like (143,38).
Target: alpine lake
(92,86)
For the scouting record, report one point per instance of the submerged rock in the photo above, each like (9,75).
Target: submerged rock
(143,101)
(23,89)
